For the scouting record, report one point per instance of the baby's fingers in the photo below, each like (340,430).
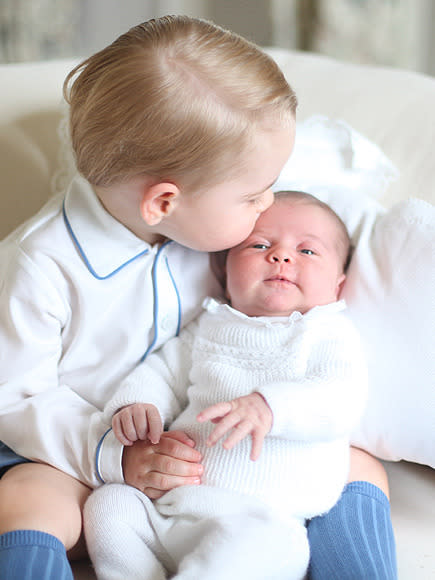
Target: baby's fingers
(242,430)
(257,444)
(118,430)
(155,426)
(135,418)
(215,412)
(239,432)
(227,423)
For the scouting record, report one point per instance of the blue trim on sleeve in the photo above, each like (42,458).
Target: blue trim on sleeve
(83,255)
(97,455)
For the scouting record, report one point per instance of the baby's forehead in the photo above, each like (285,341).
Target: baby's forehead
(318,213)
(315,207)
(309,203)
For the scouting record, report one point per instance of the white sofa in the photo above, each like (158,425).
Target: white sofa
(394,109)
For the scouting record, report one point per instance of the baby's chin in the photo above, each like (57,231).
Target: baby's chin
(273,310)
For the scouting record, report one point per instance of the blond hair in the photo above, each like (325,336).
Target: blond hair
(176,98)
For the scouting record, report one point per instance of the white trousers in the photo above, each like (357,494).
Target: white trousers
(192,533)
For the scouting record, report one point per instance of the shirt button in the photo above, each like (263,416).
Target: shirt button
(166,323)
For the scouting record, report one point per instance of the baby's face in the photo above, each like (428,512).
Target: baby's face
(289,262)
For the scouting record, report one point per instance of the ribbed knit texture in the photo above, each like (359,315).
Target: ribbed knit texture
(299,472)
(32,555)
(309,369)
(129,539)
(355,540)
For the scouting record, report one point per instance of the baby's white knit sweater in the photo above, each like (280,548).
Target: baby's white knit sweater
(310,369)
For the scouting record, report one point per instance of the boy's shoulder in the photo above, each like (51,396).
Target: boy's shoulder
(36,228)
(24,269)
(193,278)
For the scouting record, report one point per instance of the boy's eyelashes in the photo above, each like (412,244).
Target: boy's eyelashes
(255,199)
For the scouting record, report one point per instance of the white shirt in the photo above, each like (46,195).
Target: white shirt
(82,300)
(310,369)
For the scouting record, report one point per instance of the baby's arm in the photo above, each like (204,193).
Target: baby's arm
(324,403)
(248,415)
(327,401)
(137,421)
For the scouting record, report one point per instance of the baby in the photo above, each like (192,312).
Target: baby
(279,373)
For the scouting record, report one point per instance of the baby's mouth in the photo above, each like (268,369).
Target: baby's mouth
(279,278)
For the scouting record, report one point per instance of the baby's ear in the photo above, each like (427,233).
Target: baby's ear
(218,266)
(340,284)
(158,201)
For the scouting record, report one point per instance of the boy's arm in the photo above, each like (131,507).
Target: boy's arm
(329,400)
(41,417)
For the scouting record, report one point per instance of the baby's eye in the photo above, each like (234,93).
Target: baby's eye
(307,251)
(260,246)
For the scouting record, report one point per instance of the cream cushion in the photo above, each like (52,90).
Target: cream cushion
(390,107)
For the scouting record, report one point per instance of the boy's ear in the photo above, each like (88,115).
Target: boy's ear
(158,201)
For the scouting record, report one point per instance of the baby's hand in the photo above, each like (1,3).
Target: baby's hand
(137,421)
(245,415)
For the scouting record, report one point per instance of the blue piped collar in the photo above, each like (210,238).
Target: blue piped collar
(105,245)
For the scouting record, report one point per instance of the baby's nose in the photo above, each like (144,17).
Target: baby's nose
(280,258)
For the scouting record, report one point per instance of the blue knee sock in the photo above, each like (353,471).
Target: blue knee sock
(355,540)
(33,555)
